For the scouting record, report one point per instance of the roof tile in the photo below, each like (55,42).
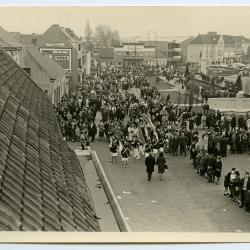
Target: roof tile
(41,179)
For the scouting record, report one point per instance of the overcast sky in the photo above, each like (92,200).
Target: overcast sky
(131,21)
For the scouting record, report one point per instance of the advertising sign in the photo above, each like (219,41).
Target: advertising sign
(61,56)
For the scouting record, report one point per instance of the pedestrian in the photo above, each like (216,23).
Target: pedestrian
(183,143)
(114,149)
(244,186)
(193,155)
(150,163)
(235,187)
(125,153)
(218,168)
(92,130)
(136,145)
(162,165)
(210,169)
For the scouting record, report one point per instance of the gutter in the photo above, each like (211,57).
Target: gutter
(115,206)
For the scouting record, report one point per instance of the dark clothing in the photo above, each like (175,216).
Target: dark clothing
(92,130)
(125,152)
(150,163)
(218,168)
(161,163)
(243,192)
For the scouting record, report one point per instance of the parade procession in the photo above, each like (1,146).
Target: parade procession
(105,129)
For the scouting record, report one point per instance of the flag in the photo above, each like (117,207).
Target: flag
(201,54)
(120,146)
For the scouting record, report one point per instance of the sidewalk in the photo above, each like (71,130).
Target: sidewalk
(103,210)
(182,202)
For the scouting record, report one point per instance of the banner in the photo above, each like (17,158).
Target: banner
(61,56)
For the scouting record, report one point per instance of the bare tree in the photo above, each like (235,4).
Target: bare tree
(106,37)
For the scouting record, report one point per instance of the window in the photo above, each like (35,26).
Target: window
(79,78)
(79,47)
(80,63)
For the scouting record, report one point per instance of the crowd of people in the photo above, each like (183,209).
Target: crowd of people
(148,126)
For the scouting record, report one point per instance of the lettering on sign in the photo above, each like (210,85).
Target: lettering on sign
(61,56)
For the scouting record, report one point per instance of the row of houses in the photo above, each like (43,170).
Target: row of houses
(204,49)
(56,60)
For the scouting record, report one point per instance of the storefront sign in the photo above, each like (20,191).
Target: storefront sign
(61,56)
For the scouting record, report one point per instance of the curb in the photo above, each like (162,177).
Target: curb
(115,206)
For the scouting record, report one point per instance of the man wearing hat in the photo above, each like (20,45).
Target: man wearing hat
(245,186)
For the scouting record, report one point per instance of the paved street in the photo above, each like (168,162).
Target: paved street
(182,202)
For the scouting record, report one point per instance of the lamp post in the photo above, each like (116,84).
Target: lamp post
(152,31)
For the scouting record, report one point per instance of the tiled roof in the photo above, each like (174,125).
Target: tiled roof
(57,34)
(51,67)
(206,39)
(26,38)
(234,39)
(42,186)
(8,40)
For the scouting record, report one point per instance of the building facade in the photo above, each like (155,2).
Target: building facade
(235,47)
(213,48)
(11,46)
(64,47)
(134,53)
(48,75)
(184,49)
(206,49)
(168,52)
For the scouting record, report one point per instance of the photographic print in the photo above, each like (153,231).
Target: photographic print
(125,119)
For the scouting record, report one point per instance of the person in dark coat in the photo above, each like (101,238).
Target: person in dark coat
(183,144)
(247,201)
(150,163)
(175,144)
(161,163)
(210,169)
(223,144)
(244,187)
(92,130)
(218,169)
(193,155)
(217,150)
(233,122)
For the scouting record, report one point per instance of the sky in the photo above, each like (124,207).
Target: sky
(168,22)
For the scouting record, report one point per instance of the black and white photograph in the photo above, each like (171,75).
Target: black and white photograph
(125,119)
